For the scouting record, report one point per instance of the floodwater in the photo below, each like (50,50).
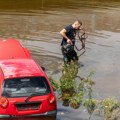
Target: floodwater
(37,24)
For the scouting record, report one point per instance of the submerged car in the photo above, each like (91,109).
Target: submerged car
(25,90)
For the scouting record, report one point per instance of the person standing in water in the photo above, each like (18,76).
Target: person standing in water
(68,41)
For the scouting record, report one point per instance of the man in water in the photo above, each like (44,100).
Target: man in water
(68,41)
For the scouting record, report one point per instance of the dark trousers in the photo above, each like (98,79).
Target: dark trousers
(68,56)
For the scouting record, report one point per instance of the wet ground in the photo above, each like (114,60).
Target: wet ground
(37,24)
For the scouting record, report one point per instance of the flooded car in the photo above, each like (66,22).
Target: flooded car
(25,91)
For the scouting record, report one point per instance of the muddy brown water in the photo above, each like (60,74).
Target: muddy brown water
(37,24)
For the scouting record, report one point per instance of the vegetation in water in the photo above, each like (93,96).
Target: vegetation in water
(75,91)
(110,108)
(55,85)
(90,104)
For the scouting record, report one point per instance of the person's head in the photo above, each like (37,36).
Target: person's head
(77,24)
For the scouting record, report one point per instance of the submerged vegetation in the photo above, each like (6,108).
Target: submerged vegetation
(75,91)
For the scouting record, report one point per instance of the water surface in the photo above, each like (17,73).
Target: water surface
(37,25)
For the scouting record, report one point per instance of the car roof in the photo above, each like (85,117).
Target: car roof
(14,68)
(11,48)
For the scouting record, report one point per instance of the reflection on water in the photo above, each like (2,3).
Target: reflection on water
(37,25)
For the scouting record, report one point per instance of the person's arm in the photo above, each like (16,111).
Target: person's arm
(63,33)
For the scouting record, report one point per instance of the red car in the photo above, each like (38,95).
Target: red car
(25,91)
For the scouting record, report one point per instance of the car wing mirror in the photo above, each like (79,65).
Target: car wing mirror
(43,68)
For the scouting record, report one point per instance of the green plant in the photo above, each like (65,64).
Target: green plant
(109,107)
(54,84)
(74,90)
(76,100)
(67,80)
(89,84)
(91,105)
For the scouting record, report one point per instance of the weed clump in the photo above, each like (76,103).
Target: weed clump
(75,91)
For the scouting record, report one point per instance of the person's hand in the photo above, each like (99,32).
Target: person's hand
(69,41)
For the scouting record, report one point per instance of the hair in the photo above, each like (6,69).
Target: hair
(78,21)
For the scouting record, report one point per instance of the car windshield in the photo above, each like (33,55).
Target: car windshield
(23,87)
